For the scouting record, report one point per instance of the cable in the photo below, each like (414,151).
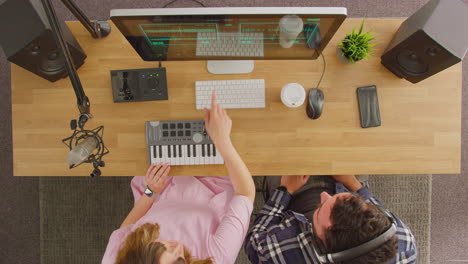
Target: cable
(170,3)
(323,71)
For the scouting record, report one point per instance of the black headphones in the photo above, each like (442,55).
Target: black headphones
(326,258)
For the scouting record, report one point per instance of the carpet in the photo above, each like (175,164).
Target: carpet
(78,215)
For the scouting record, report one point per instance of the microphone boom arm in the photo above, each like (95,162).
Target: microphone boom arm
(98,29)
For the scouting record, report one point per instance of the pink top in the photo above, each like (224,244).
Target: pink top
(202,213)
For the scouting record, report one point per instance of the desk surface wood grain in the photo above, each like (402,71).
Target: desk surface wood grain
(420,130)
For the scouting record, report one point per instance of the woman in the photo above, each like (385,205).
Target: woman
(192,220)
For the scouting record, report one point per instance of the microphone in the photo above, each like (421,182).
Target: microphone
(86,146)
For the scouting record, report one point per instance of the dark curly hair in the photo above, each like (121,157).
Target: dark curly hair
(354,222)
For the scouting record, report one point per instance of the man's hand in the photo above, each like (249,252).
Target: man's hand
(156,176)
(218,124)
(294,182)
(349,181)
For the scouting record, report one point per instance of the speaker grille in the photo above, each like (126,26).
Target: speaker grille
(52,64)
(410,63)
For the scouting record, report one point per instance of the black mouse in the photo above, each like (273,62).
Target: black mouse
(315,103)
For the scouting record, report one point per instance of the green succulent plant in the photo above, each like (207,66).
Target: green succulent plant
(356,46)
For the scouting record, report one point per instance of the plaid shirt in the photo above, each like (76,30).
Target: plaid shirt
(282,236)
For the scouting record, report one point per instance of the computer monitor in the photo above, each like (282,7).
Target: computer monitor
(229,38)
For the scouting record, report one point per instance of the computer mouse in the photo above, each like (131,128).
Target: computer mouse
(315,103)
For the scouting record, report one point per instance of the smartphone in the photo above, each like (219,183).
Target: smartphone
(369,106)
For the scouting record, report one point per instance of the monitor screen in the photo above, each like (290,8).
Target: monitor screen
(260,33)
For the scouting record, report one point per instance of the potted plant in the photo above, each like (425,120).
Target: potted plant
(355,46)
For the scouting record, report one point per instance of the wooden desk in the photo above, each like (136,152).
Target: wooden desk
(420,130)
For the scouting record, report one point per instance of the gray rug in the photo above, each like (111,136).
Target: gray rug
(409,197)
(79,214)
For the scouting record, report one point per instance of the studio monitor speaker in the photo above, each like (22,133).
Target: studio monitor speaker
(27,40)
(431,40)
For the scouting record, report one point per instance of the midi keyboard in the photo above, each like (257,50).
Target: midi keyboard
(182,142)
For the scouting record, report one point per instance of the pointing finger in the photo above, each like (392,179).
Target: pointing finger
(220,110)
(207,115)
(213,99)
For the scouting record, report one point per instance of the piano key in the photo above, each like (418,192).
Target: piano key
(175,156)
(164,154)
(198,154)
(170,155)
(160,151)
(189,147)
(206,159)
(184,155)
(192,154)
(179,159)
(213,157)
(203,150)
(180,151)
(168,151)
(209,157)
(194,150)
(217,156)
(171,159)
(151,159)
(191,157)
(214,154)
(153,152)
(187,158)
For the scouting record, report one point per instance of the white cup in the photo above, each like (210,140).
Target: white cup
(293,95)
(290,27)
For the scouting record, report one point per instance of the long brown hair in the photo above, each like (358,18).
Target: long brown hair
(140,248)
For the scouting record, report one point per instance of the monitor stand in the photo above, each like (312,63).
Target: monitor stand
(230,66)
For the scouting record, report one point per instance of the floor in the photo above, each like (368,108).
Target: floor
(19,207)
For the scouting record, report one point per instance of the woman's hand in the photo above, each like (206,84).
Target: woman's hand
(156,176)
(218,124)
(294,182)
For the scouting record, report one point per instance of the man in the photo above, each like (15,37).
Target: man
(347,215)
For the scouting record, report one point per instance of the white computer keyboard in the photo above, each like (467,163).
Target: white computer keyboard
(231,93)
(229,44)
